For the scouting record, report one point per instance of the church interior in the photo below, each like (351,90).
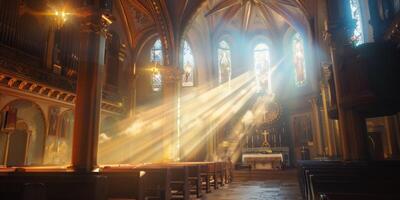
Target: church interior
(199,99)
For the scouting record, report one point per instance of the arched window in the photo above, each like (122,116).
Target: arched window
(188,65)
(224,62)
(299,59)
(262,62)
(358,36)
(157,52)
(156,59)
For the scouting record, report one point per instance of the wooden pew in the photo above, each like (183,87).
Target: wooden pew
(208,173)
(357,196)
(229,173)
(143,181)
(51,184)
(208,176)
(194,179)
(333,180)
(220,173)
(124,183)
(154,183)
(179,179)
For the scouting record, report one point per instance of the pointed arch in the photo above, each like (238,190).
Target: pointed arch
(224,62)
(188,65)
(156,57)
(262,63)
(358,34)
(299,62)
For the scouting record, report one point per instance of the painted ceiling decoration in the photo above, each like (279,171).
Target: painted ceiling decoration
(169,18)
(273,13)
(138,20)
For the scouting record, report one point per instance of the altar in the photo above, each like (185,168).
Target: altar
(263,161)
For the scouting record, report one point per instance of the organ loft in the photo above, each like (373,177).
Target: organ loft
(199,99)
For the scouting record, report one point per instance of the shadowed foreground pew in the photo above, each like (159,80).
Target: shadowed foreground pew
(146,182)
(141,181)
(335,180)
(51,184)
(164,180)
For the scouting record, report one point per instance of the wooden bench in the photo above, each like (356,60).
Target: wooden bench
(141,181)
(179,179)
(194,179)
(51,184)
(153,183)
(333,180)
(208,176)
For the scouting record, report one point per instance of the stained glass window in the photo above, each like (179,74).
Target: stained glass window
(262,61)
(224,62)
(188,65)
(156,80)
(299,59)
(358,36)
(156,59)
(156,52)
(396,4)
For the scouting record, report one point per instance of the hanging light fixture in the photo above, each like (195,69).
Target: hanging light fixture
(60,17)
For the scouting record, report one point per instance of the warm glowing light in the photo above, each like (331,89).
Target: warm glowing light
(142,173)
(199,115)
(106,19)
(60,17)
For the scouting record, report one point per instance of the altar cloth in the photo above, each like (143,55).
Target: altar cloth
(263,161)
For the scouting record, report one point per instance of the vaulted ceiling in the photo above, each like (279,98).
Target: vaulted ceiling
(166,18)
(170,18)
(248,15)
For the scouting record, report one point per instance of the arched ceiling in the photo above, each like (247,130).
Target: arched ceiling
(167,18)
(170,18)
(138,19)
(248,15)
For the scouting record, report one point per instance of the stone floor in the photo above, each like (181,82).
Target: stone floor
(259,185)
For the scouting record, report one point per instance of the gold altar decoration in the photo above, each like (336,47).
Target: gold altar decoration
(272,111)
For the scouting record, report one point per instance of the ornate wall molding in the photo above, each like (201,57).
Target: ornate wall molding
(24,87)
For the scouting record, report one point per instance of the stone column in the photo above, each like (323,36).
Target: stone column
(170,78)
(351,123)
(325,96)
(89,90)
(317,125)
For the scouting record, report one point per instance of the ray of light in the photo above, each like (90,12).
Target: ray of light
(143,137)
(247,13)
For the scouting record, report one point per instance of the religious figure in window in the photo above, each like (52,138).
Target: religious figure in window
(299,59)
(358,36)
(157,53)
(188,65)
(156,59)
(224,62)
(262,70)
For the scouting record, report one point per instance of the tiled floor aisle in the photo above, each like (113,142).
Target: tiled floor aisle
(259,185)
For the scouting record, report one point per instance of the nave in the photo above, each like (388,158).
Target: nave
(175,99)
(260,185)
